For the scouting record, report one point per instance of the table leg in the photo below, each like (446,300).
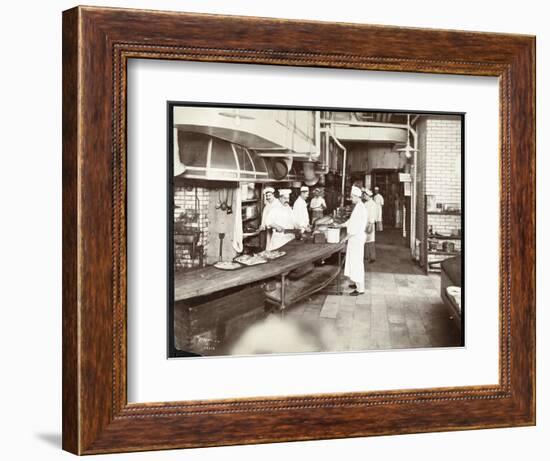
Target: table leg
(339,278)
(283,305)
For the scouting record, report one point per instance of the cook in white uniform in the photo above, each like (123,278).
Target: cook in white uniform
(269,202)
(317,205)
(379,200)
(356,225)
(372,212)
(280,217)
(301,216)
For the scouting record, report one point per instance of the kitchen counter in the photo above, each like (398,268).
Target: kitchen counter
(209,280)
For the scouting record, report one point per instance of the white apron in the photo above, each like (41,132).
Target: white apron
(356,225)
(265,213)
(301,216)
(282,216)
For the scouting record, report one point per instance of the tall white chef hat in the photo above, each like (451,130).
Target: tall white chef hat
(356,191)
(304,189)
(285,192)
(269,189)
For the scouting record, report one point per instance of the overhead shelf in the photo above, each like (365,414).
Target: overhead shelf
(441,237)
(444,213)
(427,263)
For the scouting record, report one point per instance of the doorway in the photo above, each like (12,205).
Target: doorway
(393,193)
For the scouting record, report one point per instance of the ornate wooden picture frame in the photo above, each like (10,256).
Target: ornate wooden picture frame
(97,44)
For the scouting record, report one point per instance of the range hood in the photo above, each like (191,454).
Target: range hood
(202,156)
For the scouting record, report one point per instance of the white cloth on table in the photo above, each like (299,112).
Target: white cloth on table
(281,216)
(372,216)
(355,266)
(455,295)
(301,216)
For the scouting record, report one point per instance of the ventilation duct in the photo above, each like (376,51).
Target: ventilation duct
(310,177)
(207,157)
(201,156)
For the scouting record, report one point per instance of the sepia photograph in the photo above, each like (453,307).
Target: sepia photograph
(313,230)
(284,227)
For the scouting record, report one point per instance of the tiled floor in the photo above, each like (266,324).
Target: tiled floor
(401,308)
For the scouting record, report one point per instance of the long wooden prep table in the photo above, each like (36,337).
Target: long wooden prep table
(214,314)
(209,280)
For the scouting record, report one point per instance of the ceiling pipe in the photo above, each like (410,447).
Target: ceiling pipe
(404,126)
(306,157)
(330,134)
(317,115)
(414,133)
(359,123)
(326,162)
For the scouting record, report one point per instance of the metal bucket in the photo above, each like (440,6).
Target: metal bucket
(333,235)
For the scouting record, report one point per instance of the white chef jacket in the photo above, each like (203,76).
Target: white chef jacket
(356,226)
(267,208)
(265,213)
(280,215)
(372,216)
(301,216)
(379,200)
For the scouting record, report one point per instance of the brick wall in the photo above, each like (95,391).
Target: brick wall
(188,218)
(443,149)
(439,171)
